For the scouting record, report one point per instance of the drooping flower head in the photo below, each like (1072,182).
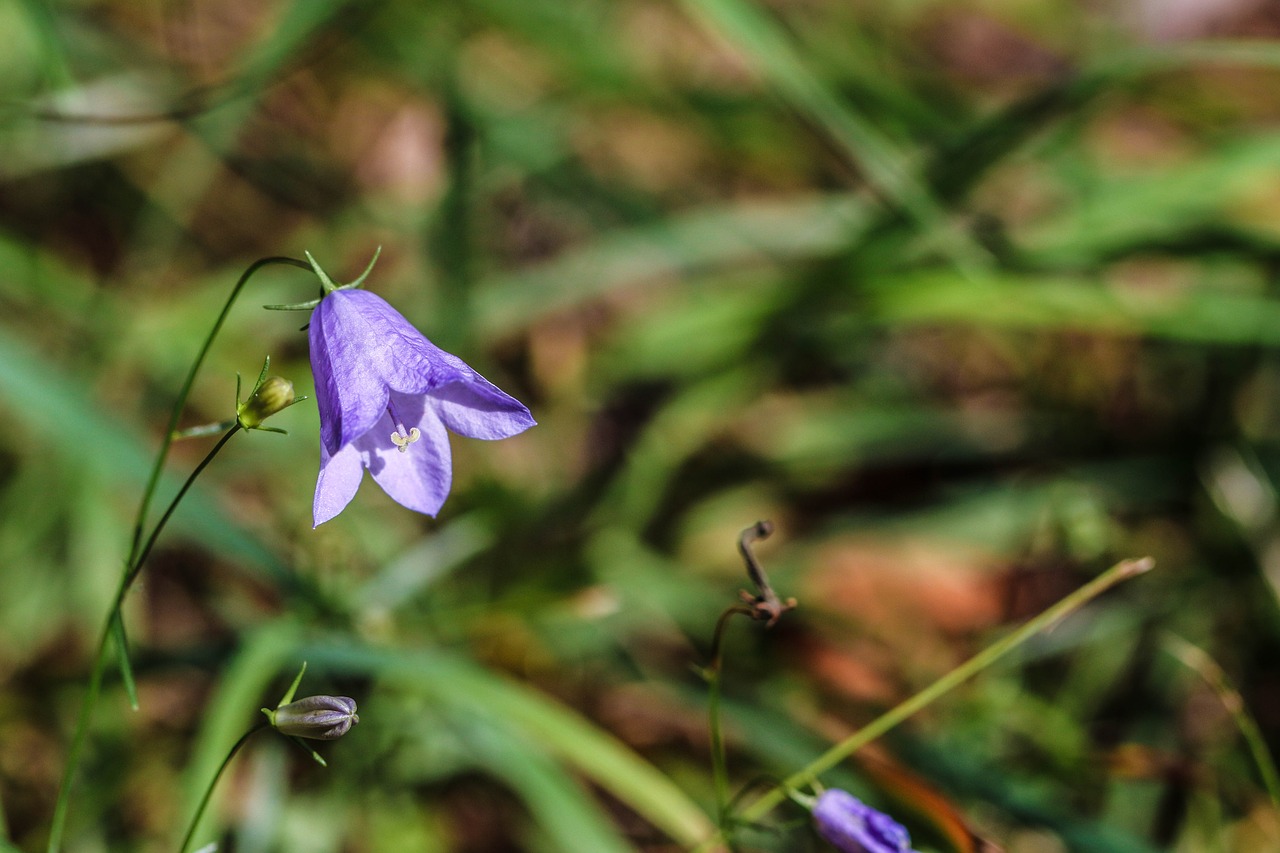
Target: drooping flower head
(386,396)
(854,827)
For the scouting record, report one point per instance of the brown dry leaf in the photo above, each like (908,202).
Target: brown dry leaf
(909,584)
(856,672)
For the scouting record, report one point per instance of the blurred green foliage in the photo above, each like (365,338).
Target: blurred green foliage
(971,299)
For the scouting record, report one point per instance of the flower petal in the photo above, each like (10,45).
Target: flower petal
(340,477)
(419,477)
(361,348)
(349,394)
(374,375)
(851,826)
(477,408)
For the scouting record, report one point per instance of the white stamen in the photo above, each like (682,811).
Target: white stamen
(402,439)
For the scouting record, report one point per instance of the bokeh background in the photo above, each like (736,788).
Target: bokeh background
(971,299)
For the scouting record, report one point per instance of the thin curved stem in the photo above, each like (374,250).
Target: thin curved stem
(132,574)
(1198,660)
(886,721)
(712,672)
(77,739)
(180,403)
(208,792)
(100,658)
(140,549)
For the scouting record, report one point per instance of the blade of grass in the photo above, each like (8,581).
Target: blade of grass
(732,235)
(560,730)
(1198,661)
(891,173)
(567,812)
(1043,302)
(121,640)
(808,775)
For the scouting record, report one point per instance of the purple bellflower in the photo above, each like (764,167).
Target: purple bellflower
(386,397)
(854,827)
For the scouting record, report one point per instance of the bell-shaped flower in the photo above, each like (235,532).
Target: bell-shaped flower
(386,396)
(851,826)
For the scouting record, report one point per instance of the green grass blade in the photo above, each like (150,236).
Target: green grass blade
(126,666)
(1043,302)
(717,237)
(562,807)
(561,731)
(892,173)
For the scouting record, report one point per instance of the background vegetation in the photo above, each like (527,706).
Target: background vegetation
(971,299)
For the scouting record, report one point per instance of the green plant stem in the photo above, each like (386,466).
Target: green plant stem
(140,549)
(100,658)
(145,552)
(712,672)
(1196,659)
(180,403)
(983,659)
(208,792)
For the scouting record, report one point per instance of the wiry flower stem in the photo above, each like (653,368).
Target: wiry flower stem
(180,404)
(712,673)
(100,659)
(1198,660)
(145,551)
(208,792)
(139,550)
(763,605)
(886,721)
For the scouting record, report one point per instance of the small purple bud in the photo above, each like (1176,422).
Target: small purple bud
(854,827)
(316,717)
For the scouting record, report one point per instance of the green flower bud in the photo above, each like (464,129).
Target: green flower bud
(273,395)
(315,717)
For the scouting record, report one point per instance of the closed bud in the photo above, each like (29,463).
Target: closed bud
(315,717)
(854,827)
(273,395)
